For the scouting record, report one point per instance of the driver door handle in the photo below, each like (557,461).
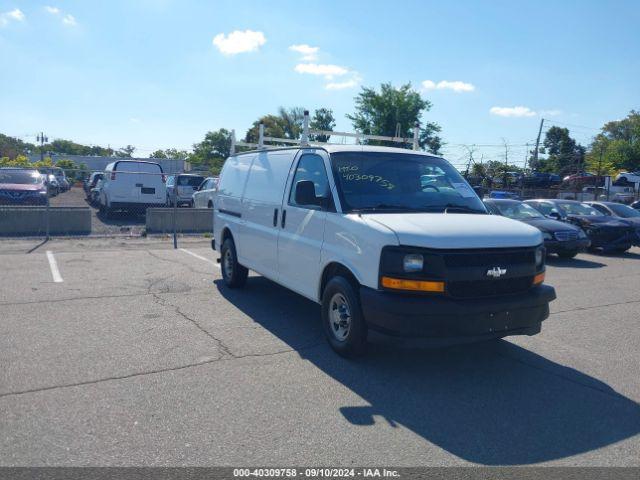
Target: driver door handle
(284,218)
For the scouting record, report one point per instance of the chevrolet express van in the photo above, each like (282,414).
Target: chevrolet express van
(132,185)
(384,239)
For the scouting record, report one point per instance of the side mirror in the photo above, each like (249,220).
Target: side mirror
(306,193)
(554,215)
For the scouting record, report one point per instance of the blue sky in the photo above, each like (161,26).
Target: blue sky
(149,73)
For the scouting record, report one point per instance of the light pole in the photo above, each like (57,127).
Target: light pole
(42,138)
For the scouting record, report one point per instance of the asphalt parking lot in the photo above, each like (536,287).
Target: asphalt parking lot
(138,355)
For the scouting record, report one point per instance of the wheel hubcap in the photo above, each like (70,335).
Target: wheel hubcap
(228,264)
(339,317)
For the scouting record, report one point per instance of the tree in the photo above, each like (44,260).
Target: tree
(274,126)
(380,113)
(158,154)
(170,153)
(212,151)
(322,120)
(11,147)
(619,143)
(292,120)
(126,152)
(564,154)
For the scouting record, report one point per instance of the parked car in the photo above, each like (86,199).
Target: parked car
(605,232)
(508,179)
(541,180)
(561,238)
(619,210)
(615,193)
(503,194)
(94,194)
(203,198)
(54,186)
(180,189)
(61,177)
(628,177)
(91,183)
(352,228)
(22,186)
(133,186)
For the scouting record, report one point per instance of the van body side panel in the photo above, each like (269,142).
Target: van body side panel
(262,197)
(351,241)
(229,209)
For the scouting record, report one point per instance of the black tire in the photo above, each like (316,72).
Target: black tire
(568,254)
(349,339)
(233,274)
(210,204)
(621,249)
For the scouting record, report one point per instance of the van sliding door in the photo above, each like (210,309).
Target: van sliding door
(302,227)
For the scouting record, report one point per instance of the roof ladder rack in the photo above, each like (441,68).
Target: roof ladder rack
(307,133)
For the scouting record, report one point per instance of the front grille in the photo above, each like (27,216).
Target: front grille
(489,258)
(489,288)
(13,194)
(565,236)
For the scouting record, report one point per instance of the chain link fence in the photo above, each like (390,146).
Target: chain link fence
(137,198)
(130,198)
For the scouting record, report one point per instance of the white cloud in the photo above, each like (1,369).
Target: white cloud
(15,15)
(309,53)
(518,111)
(328,71)
(239,42)
(456,86)
(341,85)
(69,20)
(52,10)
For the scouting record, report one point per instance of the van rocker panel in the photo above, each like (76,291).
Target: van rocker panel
(415,315)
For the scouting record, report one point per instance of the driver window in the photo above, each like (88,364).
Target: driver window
(310,167)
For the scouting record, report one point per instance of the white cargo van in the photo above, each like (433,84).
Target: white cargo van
(384,239)
(132,185)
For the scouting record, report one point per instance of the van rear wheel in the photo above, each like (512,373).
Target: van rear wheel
(233,274)
(342,319)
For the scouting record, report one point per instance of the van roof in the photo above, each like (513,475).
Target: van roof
(350,148)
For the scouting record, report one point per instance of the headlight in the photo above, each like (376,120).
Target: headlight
(413,262)
(581,234)
(547,236)
(539,256)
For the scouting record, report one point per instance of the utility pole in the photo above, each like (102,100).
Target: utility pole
(535,153)
(42,139)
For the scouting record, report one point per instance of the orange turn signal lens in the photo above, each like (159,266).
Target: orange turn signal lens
(414,285)
(538,279)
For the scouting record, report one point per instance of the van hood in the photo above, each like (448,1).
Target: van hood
(457,230)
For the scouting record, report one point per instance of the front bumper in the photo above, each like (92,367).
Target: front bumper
(579,245)
(441,316)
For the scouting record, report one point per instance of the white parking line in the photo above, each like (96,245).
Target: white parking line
(200,257)
(55,273)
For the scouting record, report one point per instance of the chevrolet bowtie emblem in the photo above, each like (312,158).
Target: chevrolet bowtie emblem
(496,272)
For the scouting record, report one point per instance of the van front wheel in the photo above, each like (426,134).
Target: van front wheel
(233,274)
(342,318)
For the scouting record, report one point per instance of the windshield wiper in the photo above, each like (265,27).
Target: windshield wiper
(386,206)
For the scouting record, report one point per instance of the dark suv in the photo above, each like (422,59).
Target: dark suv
(22,186)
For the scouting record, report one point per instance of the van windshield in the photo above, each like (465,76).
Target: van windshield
(399,182)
